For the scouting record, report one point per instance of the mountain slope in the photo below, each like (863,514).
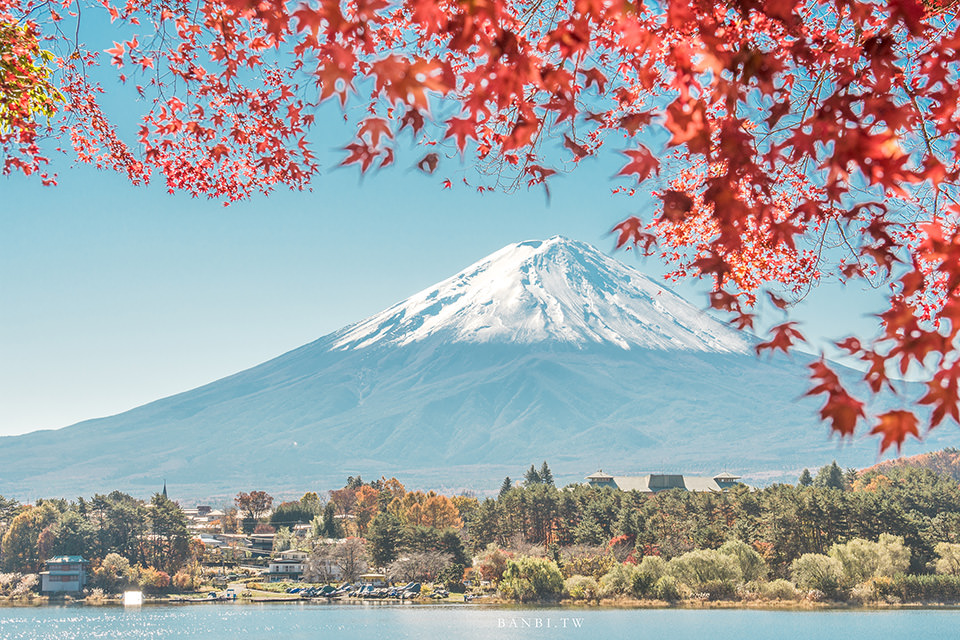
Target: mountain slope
(945,462)
(543,351)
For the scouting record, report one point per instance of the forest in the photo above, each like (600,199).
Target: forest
(886,534)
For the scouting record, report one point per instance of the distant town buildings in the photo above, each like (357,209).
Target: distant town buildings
(655,482)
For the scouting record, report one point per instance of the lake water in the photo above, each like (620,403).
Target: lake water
(426,622)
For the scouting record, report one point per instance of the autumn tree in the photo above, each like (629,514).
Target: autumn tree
(344,500)
(366,507)
(439,512)
(350,557)
(254,505)
(19,547)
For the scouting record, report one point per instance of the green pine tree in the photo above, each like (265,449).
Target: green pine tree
(532,476)
(830,477)
(546,476)
(383,539)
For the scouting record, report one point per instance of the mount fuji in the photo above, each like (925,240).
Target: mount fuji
(545,350)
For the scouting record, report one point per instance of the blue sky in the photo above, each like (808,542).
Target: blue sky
(113,295)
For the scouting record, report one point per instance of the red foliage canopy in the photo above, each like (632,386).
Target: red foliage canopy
(804,139)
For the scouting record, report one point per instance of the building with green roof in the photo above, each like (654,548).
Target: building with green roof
(64,574)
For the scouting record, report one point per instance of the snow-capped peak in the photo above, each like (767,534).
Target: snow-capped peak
(554,290)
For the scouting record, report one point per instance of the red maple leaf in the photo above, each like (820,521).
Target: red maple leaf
(413,119)
(895,426)
(375,128)
(116,54)
(461,129)
(630,229)
(942,393)
(841,409)
(784,337)
(676,205)
(578,151)
(642,163)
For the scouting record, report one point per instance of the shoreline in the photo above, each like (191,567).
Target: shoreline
(605,604)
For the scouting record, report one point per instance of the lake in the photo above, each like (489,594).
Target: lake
(426,622)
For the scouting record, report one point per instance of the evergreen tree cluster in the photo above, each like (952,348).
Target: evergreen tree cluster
(786,522)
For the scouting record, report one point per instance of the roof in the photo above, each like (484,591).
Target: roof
(632,483)
(654,482)
(65,560)
(599,475)
(725,475)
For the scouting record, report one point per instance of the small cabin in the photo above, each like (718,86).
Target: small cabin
(374,579)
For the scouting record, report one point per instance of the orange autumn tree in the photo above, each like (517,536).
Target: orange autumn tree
(786,141)
(428,509)
(365,508)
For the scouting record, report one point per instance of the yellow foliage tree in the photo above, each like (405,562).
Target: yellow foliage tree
(366,507)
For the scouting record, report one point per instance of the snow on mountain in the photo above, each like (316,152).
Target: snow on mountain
(553,290)
(542,351)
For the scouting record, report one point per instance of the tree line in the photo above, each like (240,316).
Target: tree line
(833,531)
(127,540)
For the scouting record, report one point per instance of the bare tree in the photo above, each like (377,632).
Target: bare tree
(421,566)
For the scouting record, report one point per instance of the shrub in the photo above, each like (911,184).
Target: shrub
(817,571)
(96,596)
(666,588)
(648,572)
(185,581)
(8,581)
(924,588)
(452,578)
(861,559)
(619,581)
(778,589)
(26,587)
(587,561)
(528,579)
(154,581)
(707,568)
(752,565)
(581,588)
(491,563)
(949,561)
(719,589)
(114,574)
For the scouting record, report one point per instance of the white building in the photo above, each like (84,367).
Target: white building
(288,566)
(64,574)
